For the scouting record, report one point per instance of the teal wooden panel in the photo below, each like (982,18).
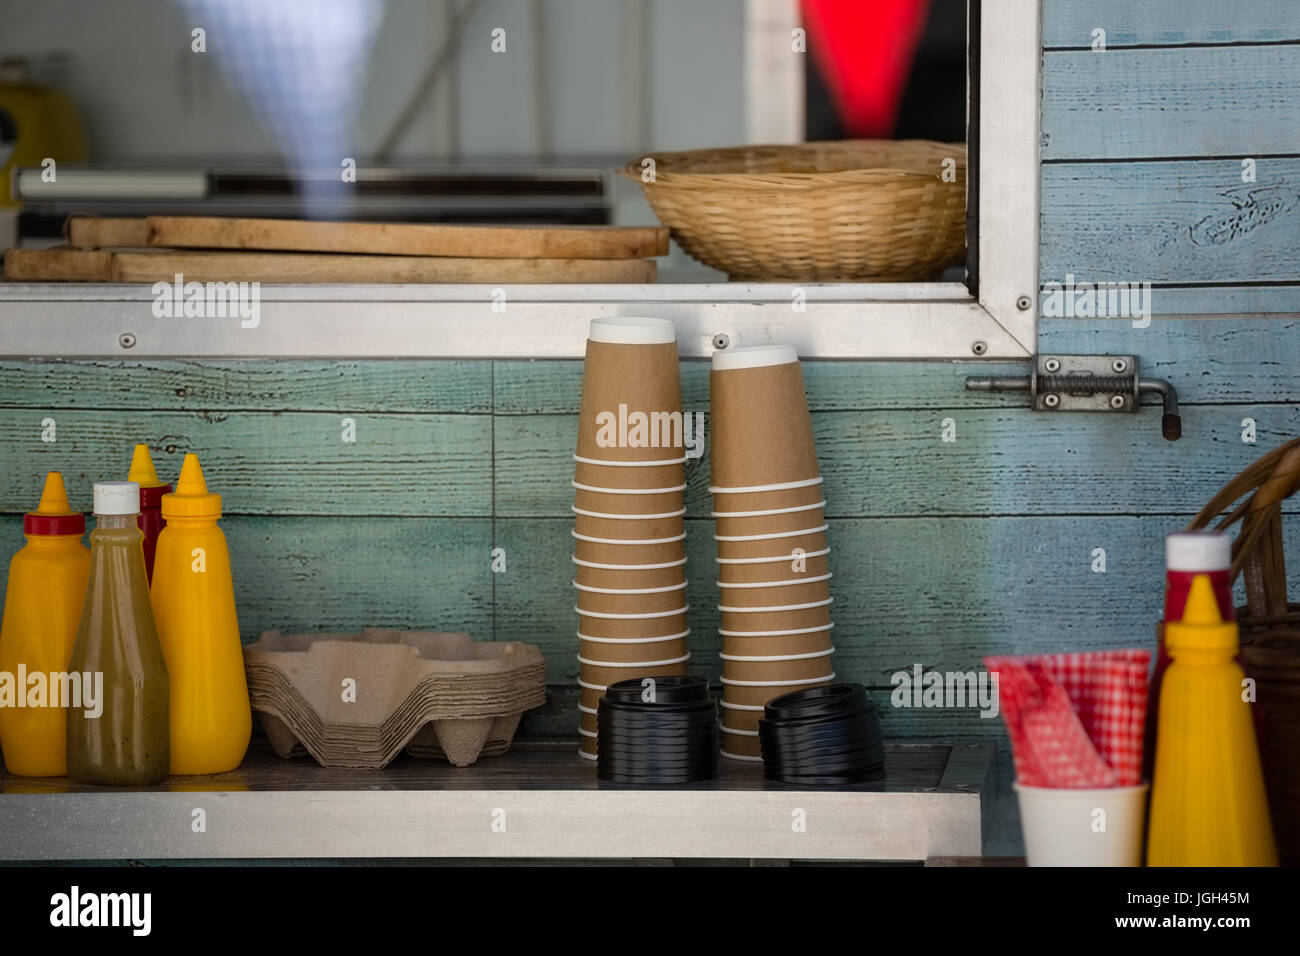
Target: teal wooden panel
(942,593)
(1225,300)
(344,386)
(264,463)
(310,574)
(1069,23)
(1172,222)
(1209,361)
(1176,102)
(1005,461)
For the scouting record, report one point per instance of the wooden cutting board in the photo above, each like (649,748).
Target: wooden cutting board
(106,232)
(402,239)
(104,265)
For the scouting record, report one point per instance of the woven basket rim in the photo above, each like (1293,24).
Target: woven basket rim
(667,175)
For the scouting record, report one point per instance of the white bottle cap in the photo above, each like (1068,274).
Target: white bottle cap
(117,498)
(1198,551)
(633,330)
(754,356)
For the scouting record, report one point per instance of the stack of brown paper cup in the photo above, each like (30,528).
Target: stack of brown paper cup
(629,531)
(773,573)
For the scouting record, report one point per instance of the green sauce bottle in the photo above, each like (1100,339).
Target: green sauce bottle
(126,744)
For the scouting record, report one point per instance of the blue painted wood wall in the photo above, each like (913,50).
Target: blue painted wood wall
(945,551)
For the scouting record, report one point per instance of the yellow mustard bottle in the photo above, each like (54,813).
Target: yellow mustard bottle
(1208,806)
(43,599)
(193,600)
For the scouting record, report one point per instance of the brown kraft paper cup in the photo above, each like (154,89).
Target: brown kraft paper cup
(590,698)
(627,652)
(756,622)
(761,428)
(735,745)
(638,578)
(769,524)
(633,627)
(777,569)
(601,552)
(740,719)
(588,722)
(631,603)
(758,696)
(774,596)
(644,379)
(777,646)
(664,502)
(768,500)
(598,674)
(813,540)
(782,671)
(630,478)
(637,529)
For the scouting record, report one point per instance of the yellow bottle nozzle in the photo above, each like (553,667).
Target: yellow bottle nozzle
(54,496)
(1202,627)
(142,470)
(191,497)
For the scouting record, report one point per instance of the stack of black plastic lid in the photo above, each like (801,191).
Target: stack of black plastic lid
(657,730)
(822,736)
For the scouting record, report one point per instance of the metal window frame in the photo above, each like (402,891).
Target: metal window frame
(839,321)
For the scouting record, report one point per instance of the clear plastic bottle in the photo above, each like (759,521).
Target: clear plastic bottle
(128,743)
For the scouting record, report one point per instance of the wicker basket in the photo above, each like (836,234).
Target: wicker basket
(1270,626)
(817,212)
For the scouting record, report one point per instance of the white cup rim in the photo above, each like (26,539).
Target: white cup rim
(776,657)
(629,464)
(676,660)
(595,590)
(783,633)
(768,511)
(744,757)
(634,640)
(770,536)
(738,733)
(645,616)
(825,602)
(777,683)
(776,486)
(775,559)
(625,517)
(775,584)
(591,539)
(600,566)
(601,490)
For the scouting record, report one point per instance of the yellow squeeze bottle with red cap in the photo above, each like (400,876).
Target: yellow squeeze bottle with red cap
(1208,806)
(193,600)
(152,490)
(43,600)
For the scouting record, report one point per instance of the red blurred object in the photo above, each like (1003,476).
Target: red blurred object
(1077,719)
(865,49)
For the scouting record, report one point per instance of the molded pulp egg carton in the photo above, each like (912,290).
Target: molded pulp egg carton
(356,700)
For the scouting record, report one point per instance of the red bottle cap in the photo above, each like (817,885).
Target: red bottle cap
(53,515)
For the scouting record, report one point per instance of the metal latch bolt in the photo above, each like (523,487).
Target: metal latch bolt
(1087,383)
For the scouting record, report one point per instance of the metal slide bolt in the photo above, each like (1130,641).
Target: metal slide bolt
(126,340)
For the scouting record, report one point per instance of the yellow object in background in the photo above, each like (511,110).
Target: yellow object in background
(193,600)
(43,602)
(36,123)
(1208,806)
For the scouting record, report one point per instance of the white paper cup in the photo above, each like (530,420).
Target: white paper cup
(1095,827)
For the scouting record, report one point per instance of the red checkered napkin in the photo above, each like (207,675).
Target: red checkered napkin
(1076,720)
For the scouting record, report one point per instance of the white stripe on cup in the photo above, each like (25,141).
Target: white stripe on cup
(596,590)
(779,486)
(605,615)
(585,686)
(738,733)
(768,511)
(627,491)
(789,633)
(771,535)
(613,517)
(774,559)
(628,567)
(778,683)
(629,464)
(676,660)
(594,540)
(741,757)
(634,640)
(586,756)
(741,706)
(775,607)
(790,582)
(587,710)
(586,733)
(782,657)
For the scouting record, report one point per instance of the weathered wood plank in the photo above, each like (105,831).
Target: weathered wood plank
(1002,461)
(280,463)
(1172,222)
(1153,103)
(309,574)
(341,386)
(1069,23)
(1271,301)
